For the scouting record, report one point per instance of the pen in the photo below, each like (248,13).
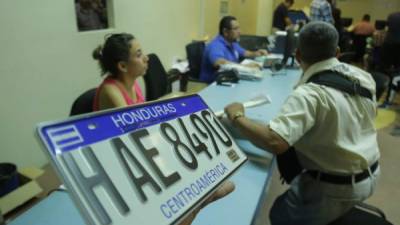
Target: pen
(226,84)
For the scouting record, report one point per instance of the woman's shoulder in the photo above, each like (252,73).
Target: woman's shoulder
(111,96)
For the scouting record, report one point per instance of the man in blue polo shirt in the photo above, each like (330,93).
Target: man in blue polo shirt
(224,49)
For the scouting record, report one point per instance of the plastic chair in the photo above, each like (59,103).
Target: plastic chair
(84,103)
(363,214)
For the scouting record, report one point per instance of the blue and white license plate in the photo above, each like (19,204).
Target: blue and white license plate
(145,164)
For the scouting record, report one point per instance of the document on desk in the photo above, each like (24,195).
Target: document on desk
(144,164)
(261,99)
(181,66)
(244,72)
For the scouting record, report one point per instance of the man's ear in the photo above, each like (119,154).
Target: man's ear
(122,67)
(338,52)
(298,56)
(224,32)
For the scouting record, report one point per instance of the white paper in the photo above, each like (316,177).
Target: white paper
(261,99)
(182,66)
(245,73)
(250,61)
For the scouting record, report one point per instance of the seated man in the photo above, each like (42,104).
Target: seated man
(331,131)
(364,27)
(224,49)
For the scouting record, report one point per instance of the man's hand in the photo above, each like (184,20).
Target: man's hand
(253,65)
(221,192)
(261,52)
(257,53)
(233,110)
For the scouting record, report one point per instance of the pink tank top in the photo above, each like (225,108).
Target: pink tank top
(129,101)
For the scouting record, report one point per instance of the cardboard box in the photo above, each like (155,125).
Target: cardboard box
(27,190)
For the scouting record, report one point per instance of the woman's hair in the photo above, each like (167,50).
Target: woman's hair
(116,48)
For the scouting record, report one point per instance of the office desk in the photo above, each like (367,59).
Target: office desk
(240,207)
(244,205)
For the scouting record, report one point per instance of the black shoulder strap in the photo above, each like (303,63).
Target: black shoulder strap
(340,82)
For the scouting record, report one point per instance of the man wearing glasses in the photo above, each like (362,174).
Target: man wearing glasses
(224,49)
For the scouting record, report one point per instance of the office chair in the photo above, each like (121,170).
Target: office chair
(363,214)
(157,81)
(84,103)
(194,54)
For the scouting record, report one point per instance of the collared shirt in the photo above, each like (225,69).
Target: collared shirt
(332,131)
(321,11)
(364,28)
(218,48)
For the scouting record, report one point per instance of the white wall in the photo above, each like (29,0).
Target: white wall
(45,63)
(378,9)
(211,17)
(265,15)
(255,16)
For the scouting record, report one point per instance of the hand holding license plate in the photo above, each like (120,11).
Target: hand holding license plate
(145,164)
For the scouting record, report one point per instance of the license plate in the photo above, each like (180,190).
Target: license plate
(145,164)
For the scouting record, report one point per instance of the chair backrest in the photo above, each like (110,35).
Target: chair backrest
(155,79)
(194,53)
(84,103)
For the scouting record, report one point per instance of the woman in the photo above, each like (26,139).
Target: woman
(122,61)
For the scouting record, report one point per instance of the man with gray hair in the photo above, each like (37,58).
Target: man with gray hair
(329,128)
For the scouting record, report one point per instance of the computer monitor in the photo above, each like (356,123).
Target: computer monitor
(253,42)
(290,47)
(380,24)
(346,22)
(297,16)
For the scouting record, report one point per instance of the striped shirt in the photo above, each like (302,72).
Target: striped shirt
(321,11)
